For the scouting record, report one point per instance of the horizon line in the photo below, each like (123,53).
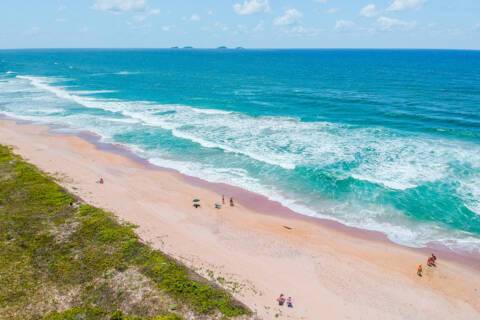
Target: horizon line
(236,48)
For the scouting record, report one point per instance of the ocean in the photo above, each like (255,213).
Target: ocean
(384,140)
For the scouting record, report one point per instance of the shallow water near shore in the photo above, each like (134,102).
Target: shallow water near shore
(380,140)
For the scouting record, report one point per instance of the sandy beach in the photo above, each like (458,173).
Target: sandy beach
(257,249)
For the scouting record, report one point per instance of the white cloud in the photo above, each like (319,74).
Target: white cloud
(290,17)
(321,1)
(166,28)
(120,5)
(344,25)
(251,7)
(332,10)
(194,17)
(369,11)
(389,24)
(401,5)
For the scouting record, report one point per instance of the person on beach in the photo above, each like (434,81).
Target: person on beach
(434,258)
(223,199)
(419,270)
(429,262)
(281,300)
(231,202)
(101,180)
(289,302)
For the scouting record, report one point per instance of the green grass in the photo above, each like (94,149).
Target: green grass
(63,259)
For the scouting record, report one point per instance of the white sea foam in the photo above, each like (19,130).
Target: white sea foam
(469,190)
(90,92)
(397,227)
(375,155)
(394,161)
(126,73)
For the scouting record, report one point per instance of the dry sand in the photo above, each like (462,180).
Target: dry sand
(332,272)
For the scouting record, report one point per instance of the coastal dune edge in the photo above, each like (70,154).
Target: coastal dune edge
(63,259)
(329,274)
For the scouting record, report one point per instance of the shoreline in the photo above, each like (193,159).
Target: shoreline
(311,240)
(264,205)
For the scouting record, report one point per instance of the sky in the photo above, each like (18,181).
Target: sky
(447,24)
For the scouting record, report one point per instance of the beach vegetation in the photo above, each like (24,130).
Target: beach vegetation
(61,258)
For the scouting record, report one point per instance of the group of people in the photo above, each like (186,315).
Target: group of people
(281,301)
(431,262)
(231,201)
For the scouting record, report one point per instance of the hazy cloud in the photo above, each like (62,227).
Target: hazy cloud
(344,25)
(332,10)
(118,6)
(33,31)
(369,11)
(290,17)
(251,7)
(194,17)
(389,24)
(148,13)
(401,5)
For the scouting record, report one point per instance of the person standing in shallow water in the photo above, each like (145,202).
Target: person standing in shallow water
(231,202)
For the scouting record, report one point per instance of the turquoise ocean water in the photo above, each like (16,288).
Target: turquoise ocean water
(378,139)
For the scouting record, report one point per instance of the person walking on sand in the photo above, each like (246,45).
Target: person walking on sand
(281,300)
(223,199)
(289,302)
(231,202)
(101,180)
(419,270)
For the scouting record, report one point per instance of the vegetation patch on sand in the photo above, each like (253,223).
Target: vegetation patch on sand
(64,259)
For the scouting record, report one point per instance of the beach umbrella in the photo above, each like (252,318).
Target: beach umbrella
(196,200)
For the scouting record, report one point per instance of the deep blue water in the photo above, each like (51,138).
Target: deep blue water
(385,140)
